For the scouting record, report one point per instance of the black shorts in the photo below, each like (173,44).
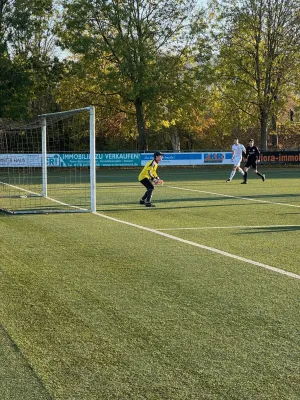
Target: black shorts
(251,163)
(147,183)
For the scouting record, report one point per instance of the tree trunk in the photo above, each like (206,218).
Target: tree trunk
(264,130)
(274,131)
(140,124)
(175,139)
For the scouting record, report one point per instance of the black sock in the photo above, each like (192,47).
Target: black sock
(245,176)
(259,174)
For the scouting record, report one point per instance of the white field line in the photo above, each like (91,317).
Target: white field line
(23,190)
(67,204)
(233,197)
(230,227)
(48,198)
(212,249)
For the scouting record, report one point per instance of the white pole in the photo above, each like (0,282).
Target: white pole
(92,159)
(44,156)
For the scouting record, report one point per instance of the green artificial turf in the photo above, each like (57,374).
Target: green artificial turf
(92,308)
(18,379)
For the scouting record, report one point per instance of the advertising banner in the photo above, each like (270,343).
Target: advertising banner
(71,160)
(175,158)
(217,158)
(197,158)
(140,159)
(118,159)
(280,157)
(20,160)
(102,160)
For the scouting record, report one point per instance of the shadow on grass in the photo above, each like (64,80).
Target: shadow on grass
(269,229)
(247,196)
(117,185)
(178,200)
(161,207)
(173,200)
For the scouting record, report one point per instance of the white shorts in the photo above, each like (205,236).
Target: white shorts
(237,161)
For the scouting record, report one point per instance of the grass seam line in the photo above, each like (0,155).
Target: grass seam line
(201,246)
(19,351)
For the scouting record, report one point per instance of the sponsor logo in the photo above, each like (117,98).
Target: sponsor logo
(213,158)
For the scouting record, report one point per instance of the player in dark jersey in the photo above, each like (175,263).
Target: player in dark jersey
(253,157)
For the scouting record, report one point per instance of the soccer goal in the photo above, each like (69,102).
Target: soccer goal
(49,165)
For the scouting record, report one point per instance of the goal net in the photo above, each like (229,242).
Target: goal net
(49,166)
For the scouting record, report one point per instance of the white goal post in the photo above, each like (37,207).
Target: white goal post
(49,165)
(92,166)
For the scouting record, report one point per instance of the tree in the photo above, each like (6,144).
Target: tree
(259,55)
(28,68)
(179,113)
(81,85)
(132,35)
(13,80)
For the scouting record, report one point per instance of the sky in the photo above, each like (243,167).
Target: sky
(202,2)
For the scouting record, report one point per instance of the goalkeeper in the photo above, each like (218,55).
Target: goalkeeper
(149,175)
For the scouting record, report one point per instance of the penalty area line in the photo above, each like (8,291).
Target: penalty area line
(203,247)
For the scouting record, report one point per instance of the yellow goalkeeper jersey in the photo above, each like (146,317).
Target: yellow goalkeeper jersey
(149,171)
